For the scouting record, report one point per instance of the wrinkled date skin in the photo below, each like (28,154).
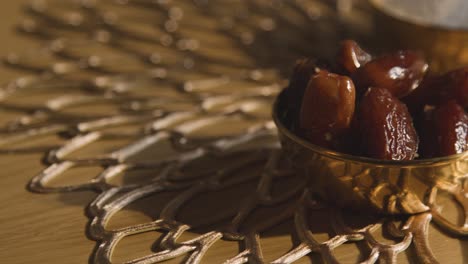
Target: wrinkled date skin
(351,57)
(435,90)
(445,131)
(386,127)
(327,108)
(399,72)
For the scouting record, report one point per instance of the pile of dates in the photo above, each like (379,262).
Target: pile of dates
(387,107)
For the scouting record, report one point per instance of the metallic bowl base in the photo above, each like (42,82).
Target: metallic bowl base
(390,187)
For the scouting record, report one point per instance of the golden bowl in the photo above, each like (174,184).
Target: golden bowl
(389,187)
(445,47)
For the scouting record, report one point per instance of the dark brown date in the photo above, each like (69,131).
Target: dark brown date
(351,57)
(444,131)
(399,72)
(457,84)
(424,122)
(303,71)
(327,108)
(435,90)
(386,127)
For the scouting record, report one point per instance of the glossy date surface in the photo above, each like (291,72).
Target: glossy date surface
(386,127)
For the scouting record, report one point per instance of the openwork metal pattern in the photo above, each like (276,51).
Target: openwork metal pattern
(174,97)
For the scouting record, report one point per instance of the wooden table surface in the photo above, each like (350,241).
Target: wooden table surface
(50,228)
(35,228)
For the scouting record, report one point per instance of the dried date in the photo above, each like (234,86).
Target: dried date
(304,69)
(399,72)
(386,127)
(327,108)
(435,90)
(351,56)
(444,131)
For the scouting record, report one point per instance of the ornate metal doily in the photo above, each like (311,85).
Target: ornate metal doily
(168,103)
